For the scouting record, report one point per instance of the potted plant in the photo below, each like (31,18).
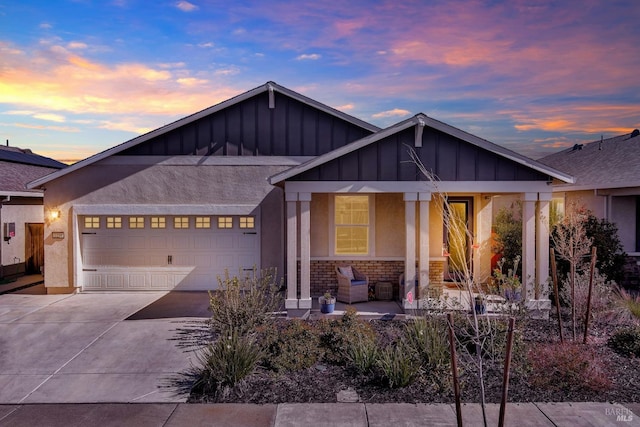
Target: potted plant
(327,303)
(509,283)
(480,306)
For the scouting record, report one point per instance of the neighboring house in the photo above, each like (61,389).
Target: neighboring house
(272,178)
(607,182)
(21,212)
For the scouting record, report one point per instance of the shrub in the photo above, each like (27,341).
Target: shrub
(242,304)
(397,366)
(626,341)
(426,337)
(568,367)
(337,335)
(227,361)
(292,346)
(363,354)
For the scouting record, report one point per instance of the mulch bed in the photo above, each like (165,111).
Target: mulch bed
(321,383)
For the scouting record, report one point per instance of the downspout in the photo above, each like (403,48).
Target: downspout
(2,201)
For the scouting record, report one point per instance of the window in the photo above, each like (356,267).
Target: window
(158,222)
(351,225)
(181,222)
(92,222)
(114,222)
(247,222)
(225,222)
(136,222)
(203,222)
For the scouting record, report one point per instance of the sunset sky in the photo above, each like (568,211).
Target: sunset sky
(80,76)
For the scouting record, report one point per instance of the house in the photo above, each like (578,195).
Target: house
(21,212)
(272,178)
(607,182)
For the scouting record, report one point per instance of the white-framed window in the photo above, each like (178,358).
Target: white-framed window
(203,222)
(158,222)
(352,219)
(225,222)
(114,222)
(181,222)
(91,222)
(136,222)
(247,222)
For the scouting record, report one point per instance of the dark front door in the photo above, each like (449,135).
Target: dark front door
(34,248)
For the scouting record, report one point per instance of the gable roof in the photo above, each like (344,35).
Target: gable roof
(421,120)
(269,87)
(607,163)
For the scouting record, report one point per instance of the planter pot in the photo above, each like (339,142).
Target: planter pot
(327,306)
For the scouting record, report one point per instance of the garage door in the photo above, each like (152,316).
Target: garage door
(166,252)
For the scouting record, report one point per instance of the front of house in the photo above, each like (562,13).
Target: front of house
(271,178)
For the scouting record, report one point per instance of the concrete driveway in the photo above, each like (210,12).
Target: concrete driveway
(108,347)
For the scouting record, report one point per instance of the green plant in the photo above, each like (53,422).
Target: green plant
(568,368)
(242,304)
(397,366)
(227,361)
(290,346)
(626,341)
(337,334)
(363,353)
(507,226)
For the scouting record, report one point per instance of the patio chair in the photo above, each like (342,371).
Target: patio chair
(353,286)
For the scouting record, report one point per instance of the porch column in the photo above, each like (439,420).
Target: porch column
(528,243)
(409,297)
(292,251)
(305,250)
(542,266)
(425,199)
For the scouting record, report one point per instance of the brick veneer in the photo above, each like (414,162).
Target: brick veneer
(323,274)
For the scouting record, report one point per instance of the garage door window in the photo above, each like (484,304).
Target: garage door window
(114,222)
(247,222)
(225,222)
(158,222)
(181,222)
(203,222)
(136,222)
(92,222)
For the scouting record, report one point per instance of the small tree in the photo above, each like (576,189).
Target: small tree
(571,243)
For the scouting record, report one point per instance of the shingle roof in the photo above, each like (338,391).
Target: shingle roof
(19,166)
(609,163)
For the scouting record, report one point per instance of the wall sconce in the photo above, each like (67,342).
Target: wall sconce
(54,214)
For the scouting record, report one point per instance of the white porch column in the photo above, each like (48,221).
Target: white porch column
(542,227)
(528,243)
(425,199)
(292,251)
(305,250)
(409,297)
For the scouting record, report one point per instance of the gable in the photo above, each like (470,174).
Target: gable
(449,157)
(251,128)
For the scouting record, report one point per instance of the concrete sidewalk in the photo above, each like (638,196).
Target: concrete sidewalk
(320,414)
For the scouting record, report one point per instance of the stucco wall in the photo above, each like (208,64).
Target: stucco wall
(13,252)
(106,183)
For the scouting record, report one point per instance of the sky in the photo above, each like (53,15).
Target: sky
(80,76)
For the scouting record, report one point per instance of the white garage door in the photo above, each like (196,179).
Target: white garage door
(166,252)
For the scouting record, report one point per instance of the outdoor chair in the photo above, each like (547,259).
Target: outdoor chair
(353,286)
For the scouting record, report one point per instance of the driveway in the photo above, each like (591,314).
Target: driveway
(100,347)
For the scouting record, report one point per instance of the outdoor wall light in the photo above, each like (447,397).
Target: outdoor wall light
(54,214)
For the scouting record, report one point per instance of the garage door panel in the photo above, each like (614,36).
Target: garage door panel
(136,259)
